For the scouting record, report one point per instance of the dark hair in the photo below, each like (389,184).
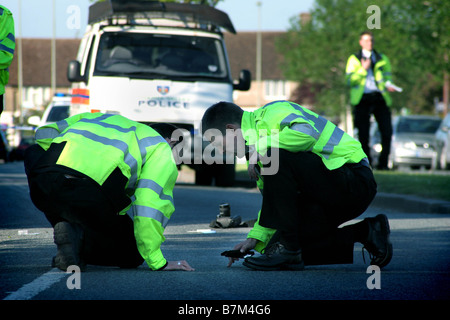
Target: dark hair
(164,129)
(220,114)
(370,33)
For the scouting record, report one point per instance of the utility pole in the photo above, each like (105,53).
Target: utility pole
(445,87)
(258,57)
(53,53)
(19,66)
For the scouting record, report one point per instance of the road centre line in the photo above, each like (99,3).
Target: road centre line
(32,289)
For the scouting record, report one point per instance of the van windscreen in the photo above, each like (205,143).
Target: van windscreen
(161,56)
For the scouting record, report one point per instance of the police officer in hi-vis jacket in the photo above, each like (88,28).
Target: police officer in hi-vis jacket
(369,77)
(323,179)
(105,183)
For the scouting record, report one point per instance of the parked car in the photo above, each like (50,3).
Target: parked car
(443,143)
(414,142)
(57,109)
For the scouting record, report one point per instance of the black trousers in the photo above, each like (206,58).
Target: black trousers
(307,203)
(373,103)
(64,194)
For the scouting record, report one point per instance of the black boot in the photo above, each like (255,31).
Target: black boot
(378,244)
(68,238)
(276,257)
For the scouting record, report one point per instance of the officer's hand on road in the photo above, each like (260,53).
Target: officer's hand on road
(178,265)
(244,246)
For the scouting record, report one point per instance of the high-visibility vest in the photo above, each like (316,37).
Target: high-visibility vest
(289,126)
(7,45)
(97,143)
(356,76)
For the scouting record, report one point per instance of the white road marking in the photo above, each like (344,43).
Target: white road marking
(38,285)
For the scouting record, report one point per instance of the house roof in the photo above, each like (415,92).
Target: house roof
(241,49)
(242,54)
(36,62)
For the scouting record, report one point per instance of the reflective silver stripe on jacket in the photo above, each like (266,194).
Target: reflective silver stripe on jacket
(46,133)
(148,142)
(150,184)
(306,129)
(108,125)
(319,124)
(334,140)
(143,143)
(143,211)
(51,133)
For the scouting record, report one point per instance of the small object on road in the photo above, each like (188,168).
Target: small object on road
(224,219)
(237,254)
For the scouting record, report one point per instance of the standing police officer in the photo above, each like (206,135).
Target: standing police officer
(368,74)
(323,180)
(89,173)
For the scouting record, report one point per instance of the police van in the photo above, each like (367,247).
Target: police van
(158,62)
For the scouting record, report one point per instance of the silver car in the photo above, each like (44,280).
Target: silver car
(413,142)
(443,143)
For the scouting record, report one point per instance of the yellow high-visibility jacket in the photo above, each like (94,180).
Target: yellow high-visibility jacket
(356,76)
(289,126)
(96,144)
(7,45)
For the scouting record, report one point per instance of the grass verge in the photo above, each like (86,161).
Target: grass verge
(422,184)
(426,185)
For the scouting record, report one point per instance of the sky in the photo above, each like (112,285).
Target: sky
(72,15)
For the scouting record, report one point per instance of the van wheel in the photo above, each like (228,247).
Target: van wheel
(203,175)
(225,174)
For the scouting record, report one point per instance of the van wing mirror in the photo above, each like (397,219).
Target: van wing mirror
(245,79)
(74,72)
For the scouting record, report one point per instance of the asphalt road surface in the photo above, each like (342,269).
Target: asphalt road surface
(419,269)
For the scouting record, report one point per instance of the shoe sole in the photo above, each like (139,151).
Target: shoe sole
(65,238)
(283,267)
(385,228)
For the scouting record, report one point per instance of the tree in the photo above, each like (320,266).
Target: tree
(412,33)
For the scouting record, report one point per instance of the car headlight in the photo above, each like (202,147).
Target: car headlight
(377,147)
(410,145)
